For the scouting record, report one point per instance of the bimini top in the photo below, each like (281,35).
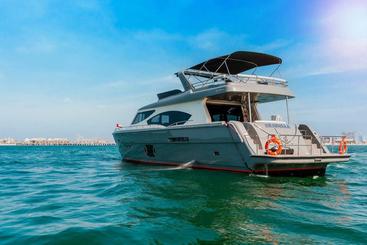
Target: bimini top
(237,62)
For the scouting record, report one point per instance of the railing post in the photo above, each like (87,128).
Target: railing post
(286,102)
(249,106)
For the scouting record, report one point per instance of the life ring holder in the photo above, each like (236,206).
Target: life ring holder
(273,140)
(343,147)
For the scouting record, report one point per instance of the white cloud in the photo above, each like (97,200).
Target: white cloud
(116,84)
(101,106)
(340,44)
(125,84)
(210,40)
(156,35)
(67,100)
(39,45)
(276,44)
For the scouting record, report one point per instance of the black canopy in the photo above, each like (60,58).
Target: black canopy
(237,62)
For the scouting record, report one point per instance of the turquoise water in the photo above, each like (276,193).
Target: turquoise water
(86,195)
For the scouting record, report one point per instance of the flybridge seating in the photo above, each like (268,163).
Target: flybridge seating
(202,79)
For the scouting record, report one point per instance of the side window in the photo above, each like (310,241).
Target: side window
(155,120)
(141,116)
(178,117)
(165,119)
(170,118)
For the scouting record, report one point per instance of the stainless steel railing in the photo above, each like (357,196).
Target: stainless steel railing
(131,127)
(220,79)
(293,144)
(333,142)
(327,144)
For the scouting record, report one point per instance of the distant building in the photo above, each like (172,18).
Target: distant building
(7,141)
(44,141)
(350,137)
(92,142)
(64,141)
(54,141)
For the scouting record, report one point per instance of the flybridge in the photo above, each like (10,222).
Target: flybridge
(226,72)
(237,62)
(194,80)
(227,68)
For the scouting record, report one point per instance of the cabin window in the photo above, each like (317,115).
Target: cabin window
(164,119)
(141,116)
(170,118)
(225,112)
(155,120)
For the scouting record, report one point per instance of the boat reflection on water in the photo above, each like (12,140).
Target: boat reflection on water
(230,207)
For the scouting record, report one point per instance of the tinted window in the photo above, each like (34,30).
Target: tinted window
(225,112)
(142,116)
(170,117)
(155,120)
(165,119)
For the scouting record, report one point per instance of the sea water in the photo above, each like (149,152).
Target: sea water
(87,195)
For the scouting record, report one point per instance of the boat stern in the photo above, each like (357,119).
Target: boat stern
(280,150)
(285,165)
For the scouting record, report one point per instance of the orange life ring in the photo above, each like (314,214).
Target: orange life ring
(273,140)
(343,147)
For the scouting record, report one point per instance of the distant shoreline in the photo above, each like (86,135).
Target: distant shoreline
(54,142)
(114,144)
(110,144)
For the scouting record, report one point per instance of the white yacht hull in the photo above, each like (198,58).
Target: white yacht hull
(215,146)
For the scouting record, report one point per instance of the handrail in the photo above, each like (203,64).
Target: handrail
(299,136)
(292,141)
(139,126)
(287,144)
(178,123)
(334,140)
(213,78)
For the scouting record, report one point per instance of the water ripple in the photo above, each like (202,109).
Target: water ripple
(70,195)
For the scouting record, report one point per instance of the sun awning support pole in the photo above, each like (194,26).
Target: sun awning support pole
(185,82)
(286,104)
(249,106)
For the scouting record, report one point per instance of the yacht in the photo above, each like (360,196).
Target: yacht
(214,123)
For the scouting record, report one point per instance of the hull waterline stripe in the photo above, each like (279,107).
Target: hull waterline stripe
(224,169)
(306,157)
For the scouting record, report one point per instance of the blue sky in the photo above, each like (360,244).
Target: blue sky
(75,68)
